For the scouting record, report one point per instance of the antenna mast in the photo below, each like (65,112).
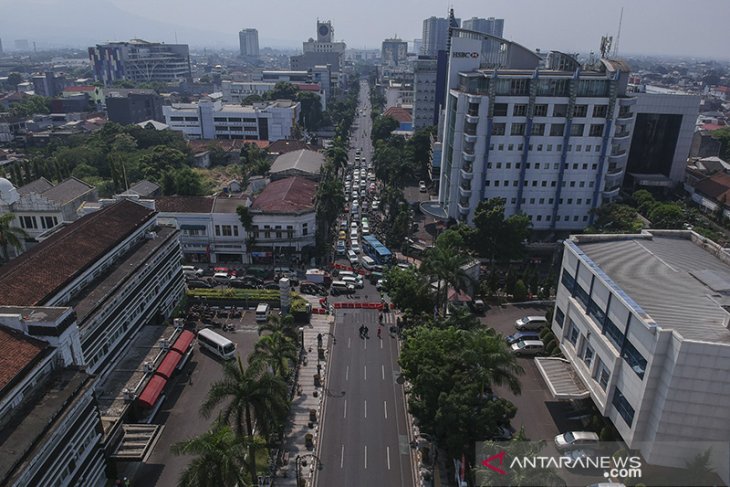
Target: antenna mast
(618,34)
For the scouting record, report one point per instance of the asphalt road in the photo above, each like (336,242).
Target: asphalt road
(364,439)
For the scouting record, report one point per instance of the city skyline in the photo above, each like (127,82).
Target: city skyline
(658,27)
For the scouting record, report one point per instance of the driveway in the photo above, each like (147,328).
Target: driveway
(538,412)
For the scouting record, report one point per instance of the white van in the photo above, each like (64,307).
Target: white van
(262,312)
(369,264)
(341,287)
(354,281)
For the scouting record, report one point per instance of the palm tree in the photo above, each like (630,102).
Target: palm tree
(220,458)
(446,263)
(277,351)
(251,393)
(280,324)
(10,236)
(496,364)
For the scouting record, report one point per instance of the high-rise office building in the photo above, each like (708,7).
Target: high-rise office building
(435,35)
(249,43)
(491,25)
(551,136)
(140,61)
(424,92)
(394,52)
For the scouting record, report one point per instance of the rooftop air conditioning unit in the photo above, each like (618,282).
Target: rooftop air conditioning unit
(128,395)
(150,235)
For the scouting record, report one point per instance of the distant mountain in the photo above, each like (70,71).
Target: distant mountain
(83,23)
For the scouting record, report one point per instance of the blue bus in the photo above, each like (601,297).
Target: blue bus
(376,250)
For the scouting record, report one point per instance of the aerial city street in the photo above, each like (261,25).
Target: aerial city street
(364,244)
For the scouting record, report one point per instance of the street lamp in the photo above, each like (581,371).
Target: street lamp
(301,337)
(300,462)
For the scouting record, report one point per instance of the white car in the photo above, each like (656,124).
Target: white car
(380,284)
(422,186)
(363,184)
(348,178)
(353,233)
(365,228)
(353,226)
(576,439)
(352,256)
(354,246)
(375,206)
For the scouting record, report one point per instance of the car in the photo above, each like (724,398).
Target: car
(355,194)
(221,277)
(343,225)
(530,323)
(352,256)
(353,225)
(364,220)
(354,246)
(340,248)
(348,178)
(527,347)
(198,284)
(523,335)
(364,206)
(271,285)
(376,206)
(363,184)
(422,186)
(576,439)
(353,233)
(365,228)
(380,284)
(342,235)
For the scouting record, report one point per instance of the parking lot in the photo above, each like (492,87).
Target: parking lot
(179,412)
(538,412)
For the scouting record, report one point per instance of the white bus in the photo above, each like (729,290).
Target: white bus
(217,344)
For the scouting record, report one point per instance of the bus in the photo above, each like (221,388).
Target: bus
(217,344)
(376,250)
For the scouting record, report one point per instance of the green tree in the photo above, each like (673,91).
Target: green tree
(520,292)
(495,237)
(245,217)
(276,350)
(14,79)
(252,394)
(616,218)
(409,289)
(723,135)
(283,90)
(220,458)
(310,114)
(251,99)
(280,324)
(667,215)
(382,128)
(10,236)
(187,182)
(446,262)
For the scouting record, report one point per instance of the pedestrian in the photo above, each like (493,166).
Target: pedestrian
(367,332)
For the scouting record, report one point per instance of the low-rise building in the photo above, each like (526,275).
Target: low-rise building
(208,119)
(128,106)
(304,162)
(643,320)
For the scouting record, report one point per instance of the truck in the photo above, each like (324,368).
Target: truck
(318,276)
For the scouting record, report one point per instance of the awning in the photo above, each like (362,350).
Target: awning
(434,209)
(169,363)
(182,344)
(561,378)
(152,391)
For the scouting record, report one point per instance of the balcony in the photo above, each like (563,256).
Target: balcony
(621,135)
(467,173)
(615,170)
(617,157)
(463,207)
(610,193)
(469,157)
(473,119)
(625,115)
(470,138)
(473,98)
(627,101)
(465,189)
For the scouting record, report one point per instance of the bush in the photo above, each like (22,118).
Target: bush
(520,293)
(544,333)
(550,345)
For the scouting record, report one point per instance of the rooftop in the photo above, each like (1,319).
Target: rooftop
(184,204)
(229,203)
(144,188)
(284,146)
(303,160)
(670,276)
(39,186)
(68,191)
(288,195)
(400,114)
(38,274)
(18,353)
(716,187)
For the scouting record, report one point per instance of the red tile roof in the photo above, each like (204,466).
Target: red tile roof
(285,146)
(184,204)
(716,187)
(711,127)
(400,114)
(38,274)
(288,195)
(313,87)
(17,353)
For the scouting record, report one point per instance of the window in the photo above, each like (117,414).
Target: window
(580,293)
(226,230)
(557,129)
(580,110)
(567,280)
(602,374)
(177,119)
(538,129)
(613,333)
(519,87)
(498,128)
(541,110)
(487,183)
(588,355)
(305,230)
(511,147)
(500,109)
(560,110)
(573,333)
(217,230)
(191,119)
(600,111)
(499,165)
(519,110)
(577,129)
(596,130)
(559,316)
(622,406)
(636,361)
(517,129)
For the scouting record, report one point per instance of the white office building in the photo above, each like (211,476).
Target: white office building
(550,137)
(248,40)
(643,320)
(424,93)
(209,119)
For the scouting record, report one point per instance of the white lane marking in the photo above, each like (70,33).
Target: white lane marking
(365,367)
(366,344)
(382,369)
(342,457)
(347,373)
(366,409)
(366,456)
(345,413)
(381,344)
(385,409)
(348,342)
(387,453)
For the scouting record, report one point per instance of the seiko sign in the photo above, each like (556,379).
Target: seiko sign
(465,54)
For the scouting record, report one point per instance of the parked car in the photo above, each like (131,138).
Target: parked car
(528,347)
(576,439)
(530,323)
(355,247)
(352,257)
(340,248)
(271,285)
(308,287)
(198,284)
(523,335)
(422,186)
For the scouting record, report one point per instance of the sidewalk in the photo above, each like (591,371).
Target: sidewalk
(298,425)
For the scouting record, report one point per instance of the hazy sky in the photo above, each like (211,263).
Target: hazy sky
(681,27)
